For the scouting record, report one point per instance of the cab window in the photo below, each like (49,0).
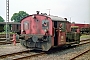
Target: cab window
(62,26)
(26,25)
(45,24)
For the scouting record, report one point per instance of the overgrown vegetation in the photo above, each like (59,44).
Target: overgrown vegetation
(8,28)
(5,32)
(85,36)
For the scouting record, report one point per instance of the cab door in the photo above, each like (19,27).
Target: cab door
(61,33)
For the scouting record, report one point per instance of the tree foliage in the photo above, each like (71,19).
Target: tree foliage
(18,16)
(1,19)
(8,28)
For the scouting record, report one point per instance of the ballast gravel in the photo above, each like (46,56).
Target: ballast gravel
(10,48)
(66,54)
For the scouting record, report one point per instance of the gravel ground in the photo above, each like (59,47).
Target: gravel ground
(64,54)
(10,48)
(86,56)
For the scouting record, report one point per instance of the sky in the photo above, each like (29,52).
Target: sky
(74,10)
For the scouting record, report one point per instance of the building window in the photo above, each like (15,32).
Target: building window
(17,26)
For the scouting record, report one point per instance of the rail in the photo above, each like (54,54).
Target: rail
(80,54)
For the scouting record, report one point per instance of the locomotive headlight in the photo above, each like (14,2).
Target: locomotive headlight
(22,30)
(45,30)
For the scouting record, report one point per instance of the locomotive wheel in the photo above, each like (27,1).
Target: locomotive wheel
(47,45)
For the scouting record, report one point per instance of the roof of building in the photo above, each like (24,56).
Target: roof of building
(9,23)
(54,18)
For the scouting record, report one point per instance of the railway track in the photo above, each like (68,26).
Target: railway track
(5,42)
(28,54)
(20,55)
(80,54)
(84,42)
(83,52)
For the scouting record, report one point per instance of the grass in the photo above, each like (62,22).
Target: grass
(85,36)
(5,32)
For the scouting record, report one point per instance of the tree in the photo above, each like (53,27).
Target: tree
(18,16)
(1,19)
(8,28)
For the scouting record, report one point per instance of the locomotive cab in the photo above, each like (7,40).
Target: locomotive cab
(59,33)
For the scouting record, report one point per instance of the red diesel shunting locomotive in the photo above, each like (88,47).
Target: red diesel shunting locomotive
(42,32)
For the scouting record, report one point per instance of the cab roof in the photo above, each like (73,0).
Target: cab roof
(53,18)
(56,18)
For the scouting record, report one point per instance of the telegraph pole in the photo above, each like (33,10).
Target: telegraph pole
(49,11)
(70,19)
(7,18)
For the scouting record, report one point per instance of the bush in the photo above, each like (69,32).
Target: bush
(8,28)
